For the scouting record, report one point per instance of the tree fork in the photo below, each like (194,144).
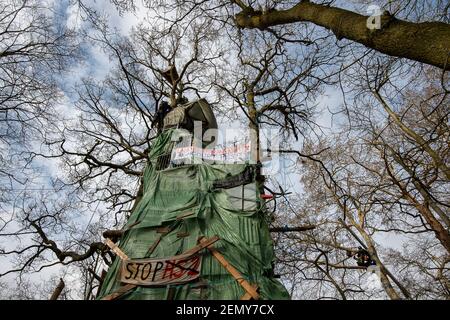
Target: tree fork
(427,42)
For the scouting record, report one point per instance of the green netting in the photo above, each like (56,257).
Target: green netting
(187,193)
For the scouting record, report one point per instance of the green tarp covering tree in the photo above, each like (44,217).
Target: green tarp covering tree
(181,205)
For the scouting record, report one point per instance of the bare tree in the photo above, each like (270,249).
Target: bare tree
(32,51)
(102,147)
(384,173)
(426,42)
(385,177)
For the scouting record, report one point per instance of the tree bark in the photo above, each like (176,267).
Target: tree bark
(59,288)
(427,42)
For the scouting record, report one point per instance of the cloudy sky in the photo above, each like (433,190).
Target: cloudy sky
(96,65)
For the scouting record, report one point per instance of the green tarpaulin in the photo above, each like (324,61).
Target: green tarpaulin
(183,200)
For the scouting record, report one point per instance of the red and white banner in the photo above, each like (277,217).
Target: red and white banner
(228,154)
(156,272)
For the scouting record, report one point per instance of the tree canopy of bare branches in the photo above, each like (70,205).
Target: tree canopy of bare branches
(75,133)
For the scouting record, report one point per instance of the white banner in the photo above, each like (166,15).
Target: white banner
(229,154)
(156,272)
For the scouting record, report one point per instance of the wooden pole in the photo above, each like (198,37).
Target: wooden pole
(59,288)
(236,274)
(116,249)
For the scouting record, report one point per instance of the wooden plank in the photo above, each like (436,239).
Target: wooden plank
(164,230)
(120,292)
(204,243)
(183,234)
(184,215)
(232,270)
(154,245)
(248,296)
(116,249)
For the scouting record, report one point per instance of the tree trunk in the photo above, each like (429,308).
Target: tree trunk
(441,234)
(427,42)
(59,288)
(253,125)
(385,282)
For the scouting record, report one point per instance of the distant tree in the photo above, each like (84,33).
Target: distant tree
(101,148)
(33,49)
(383,170)
(384,174)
